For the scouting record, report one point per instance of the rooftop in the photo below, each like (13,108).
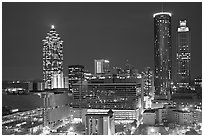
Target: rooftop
(162,13)
(181,111)
(149,111)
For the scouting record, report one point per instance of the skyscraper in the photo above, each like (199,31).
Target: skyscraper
(102,66)
(162,53)
(75,74)
(52,60)
(183,55)
(148,81)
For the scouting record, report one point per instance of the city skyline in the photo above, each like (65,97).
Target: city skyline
(113,31)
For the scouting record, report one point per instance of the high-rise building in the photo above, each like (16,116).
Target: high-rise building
(102,66)
(162,54)
(130,70)
(106,95)
(52,59)
(75,74)
(183,55)
(148,81)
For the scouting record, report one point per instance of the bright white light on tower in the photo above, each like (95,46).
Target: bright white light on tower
(106,61)
(52,26)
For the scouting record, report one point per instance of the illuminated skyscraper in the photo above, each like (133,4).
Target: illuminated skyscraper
(162,53)
(52,60)
(102,66)
(148,81)
(183,55)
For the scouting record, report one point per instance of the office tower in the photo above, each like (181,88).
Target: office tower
(106,95)
(148,81)
(52,58)
(75,74)
(87,75)
(102,66)
(162,54)
(117,71)
(130,70)
(183,55)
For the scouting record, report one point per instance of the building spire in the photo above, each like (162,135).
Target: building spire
(52,27)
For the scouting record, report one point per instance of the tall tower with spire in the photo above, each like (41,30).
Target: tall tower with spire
(53,60)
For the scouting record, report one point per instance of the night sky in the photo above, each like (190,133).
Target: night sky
(114,31)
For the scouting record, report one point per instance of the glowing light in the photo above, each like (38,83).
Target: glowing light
(152,130)
(106,61)
(162,13)
(71,129)
(52,26)
(133,128)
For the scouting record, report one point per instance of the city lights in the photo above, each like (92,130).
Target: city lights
(102,80)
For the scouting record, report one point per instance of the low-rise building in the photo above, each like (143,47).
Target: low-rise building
(149,117)
(182,117)
(100,123)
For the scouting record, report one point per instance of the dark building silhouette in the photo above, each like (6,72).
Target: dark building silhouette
(162,54)
(183,55)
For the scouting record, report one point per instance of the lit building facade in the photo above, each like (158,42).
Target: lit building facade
(75,74)
(183,55)
(148,82)
(130,70)
(52,59)
(106,95)
(102,66)
(198,82)
(162,54)
(182,117)
(100,123)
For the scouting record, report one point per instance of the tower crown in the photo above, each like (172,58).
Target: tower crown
(183,27)
(162,13)
(182,23)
